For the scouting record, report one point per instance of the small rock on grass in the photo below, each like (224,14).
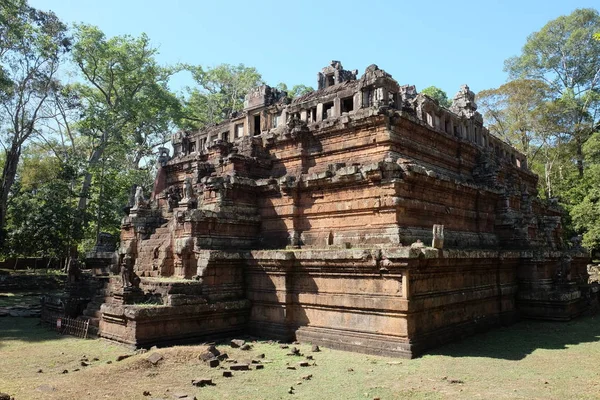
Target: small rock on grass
(227,374)
(246,347)
(123,356)
(183,396)
(236,343)
(315,348)
(154,358)
(259,366)
(201,382)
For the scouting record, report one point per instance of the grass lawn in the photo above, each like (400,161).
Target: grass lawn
(527,360)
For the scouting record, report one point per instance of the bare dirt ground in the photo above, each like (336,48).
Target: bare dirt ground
(527,360)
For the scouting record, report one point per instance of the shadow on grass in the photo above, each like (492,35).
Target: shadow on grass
(25,329)
(518,341)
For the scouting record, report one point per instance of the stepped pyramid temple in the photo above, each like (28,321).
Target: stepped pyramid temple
(362,216)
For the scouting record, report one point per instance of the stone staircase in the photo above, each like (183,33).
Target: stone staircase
(92,311)
(155,257)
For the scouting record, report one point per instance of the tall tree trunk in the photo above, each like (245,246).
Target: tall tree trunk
(9,172)
(579,144)
(87,178)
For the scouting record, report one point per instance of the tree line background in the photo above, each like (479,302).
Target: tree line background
(82,114)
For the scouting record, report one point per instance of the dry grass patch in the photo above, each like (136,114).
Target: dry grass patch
(527,360)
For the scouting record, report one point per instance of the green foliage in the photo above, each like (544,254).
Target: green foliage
(437,94)
(515,113)
(126,110)
(42,208)
(296,90)
(32,46)
(125,97)
(220,91)
(564,55)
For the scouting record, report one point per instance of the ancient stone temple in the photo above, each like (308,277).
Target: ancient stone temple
(360,216)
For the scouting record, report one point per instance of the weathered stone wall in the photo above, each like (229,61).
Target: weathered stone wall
(316,223)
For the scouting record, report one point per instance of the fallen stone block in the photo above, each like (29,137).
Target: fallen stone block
(201,382)
(212,349)
(214,363)
(239,367)
(236,343)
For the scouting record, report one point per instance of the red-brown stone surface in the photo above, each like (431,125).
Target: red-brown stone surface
(318,227)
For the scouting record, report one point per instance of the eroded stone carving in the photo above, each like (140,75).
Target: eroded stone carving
(438,237)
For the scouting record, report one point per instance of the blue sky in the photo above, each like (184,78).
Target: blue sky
(441,43)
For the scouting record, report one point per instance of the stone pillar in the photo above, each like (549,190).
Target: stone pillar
(319,112)
(304,116)
(337,107)
(438,237)
(357,100)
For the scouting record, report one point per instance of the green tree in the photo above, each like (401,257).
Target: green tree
(296,90)
(585,196)
(513,112)
(220,91)
(41,213)
(437,94)
(564,55)
(31,50)
(126,106)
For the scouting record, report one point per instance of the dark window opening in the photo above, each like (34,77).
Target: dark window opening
(327,110)
(456,131)
(330,80)
(191,147)
(257,124)
(347,104)
(225,136)
(202,143)
(312,114)
(393,100)
(330,239)
(447,126)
